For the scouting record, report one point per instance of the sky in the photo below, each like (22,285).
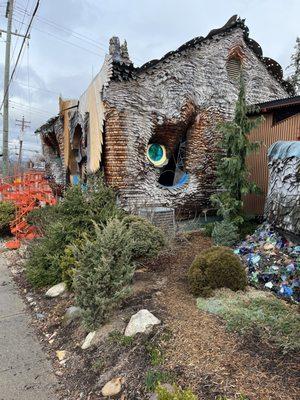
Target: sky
(69,39)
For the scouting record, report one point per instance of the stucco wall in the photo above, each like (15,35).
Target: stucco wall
(191,90)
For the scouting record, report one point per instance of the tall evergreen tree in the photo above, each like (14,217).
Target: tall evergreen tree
(294,66)
(232,172)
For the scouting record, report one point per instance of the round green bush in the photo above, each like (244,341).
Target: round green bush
(214,268)
(147,239)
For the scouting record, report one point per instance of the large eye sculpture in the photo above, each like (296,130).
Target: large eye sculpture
(157,154)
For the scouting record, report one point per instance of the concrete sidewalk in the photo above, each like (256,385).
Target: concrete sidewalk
(25,373)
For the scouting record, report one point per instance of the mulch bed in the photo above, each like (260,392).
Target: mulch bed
(198,352)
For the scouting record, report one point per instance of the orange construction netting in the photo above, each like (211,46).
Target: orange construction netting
(27,191)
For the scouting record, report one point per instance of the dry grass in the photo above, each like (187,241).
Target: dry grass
(255,311)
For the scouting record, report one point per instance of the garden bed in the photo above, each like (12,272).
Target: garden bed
(190,347)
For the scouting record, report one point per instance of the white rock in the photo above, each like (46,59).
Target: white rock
(142,321)
(112,388)
(269,285)
(88,340)
(56,290)
(61,354)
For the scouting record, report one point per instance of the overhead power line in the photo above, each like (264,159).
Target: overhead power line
(20,28)
(54,24)
(15,104)
(20,51)
(67,42)
(36,87)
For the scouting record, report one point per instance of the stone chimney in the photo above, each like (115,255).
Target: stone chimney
(124,54)
(119,53)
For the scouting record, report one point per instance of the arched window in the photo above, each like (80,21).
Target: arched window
(234,68)
(234,65)
(77,155)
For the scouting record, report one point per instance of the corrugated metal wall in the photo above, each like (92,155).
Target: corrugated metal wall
(267,133)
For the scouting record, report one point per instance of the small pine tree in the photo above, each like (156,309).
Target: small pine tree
(225,233)
(294,78)
(104,272)
(232,172)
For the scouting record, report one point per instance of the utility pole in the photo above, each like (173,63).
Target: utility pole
(8,78)
(23,125)
(9,14)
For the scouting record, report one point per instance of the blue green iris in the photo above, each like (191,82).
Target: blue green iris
(155,152)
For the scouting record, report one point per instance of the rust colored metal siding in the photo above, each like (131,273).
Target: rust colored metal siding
(267,133)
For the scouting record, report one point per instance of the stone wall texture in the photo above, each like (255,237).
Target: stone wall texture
(52,138)
(283,201)
(186,93)
(176,102)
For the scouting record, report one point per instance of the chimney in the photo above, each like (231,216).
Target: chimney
(115,48)
(124,54)
(119,53)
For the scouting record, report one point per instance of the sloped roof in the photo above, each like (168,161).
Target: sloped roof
(274,105)
(122,71)
(47,127)
(284,149)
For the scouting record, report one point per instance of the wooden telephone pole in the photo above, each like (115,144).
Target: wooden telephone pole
(9,14)
(7,80)
(23,125)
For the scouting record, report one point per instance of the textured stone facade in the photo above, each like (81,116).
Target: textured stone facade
(52,138)
(187,93)
(176,102)
(283,200)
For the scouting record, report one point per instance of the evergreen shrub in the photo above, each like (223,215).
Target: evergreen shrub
(43,262)
(44,254)
(68,262)
(208,228)
(104,272)
(101,204)
(7,214)
(232,171)
(42,217)
(225,233)
(147,240)
(62,225)
(214,268)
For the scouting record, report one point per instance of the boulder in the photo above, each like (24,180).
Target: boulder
(113,387)
(72,313)
(88,340)
(56,290)
(141,322)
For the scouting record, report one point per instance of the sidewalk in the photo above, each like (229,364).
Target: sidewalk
(25,373)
